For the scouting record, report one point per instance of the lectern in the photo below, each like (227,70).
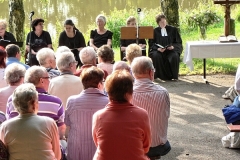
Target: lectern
(141,32)
(4,43)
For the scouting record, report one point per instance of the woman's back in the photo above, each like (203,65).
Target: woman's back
(31,137)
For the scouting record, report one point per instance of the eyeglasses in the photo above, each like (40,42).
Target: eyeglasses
(45,77)
(153,69)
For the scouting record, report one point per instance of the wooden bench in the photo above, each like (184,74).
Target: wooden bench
(233,128)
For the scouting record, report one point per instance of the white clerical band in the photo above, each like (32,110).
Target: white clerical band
(164,32)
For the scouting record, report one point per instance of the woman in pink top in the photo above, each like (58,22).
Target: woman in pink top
(105,58)
(121,131)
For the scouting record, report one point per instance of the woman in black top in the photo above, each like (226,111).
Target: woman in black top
(4,34)
(131,22)
(39,40)
(73,39)
(100,36)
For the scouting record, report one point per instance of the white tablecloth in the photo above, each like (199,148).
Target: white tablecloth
(210,49)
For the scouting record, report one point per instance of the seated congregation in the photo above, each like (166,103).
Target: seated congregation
(79,100)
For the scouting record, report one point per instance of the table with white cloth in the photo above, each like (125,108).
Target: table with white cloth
(209,49)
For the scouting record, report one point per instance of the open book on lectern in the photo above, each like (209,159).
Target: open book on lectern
(4,43)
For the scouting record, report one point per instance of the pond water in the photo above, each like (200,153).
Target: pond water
(83,12)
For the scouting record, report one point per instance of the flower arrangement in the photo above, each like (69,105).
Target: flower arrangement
(203,19)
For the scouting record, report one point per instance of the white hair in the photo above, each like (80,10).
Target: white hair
(101,17)
(87,55)
(62,49)
(43,55)
(141,65)
(14,72)
(63,61)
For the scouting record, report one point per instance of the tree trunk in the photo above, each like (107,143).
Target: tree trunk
(170,10)
(16,19)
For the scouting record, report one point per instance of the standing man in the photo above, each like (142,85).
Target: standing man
(155,100)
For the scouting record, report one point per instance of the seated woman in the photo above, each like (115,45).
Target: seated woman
(133,51)
(131,22)
(4,34)
(105,58)
(121,130)
(166,58)
(39,40)
(73,39)
(100,36)
(3,65)
(29,136)
(79,111)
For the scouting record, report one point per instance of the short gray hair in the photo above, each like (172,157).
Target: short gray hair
(14,72)
(141,65)
(87,55)
(101,17)
(24,96)
(120,65)
(3,23)
(62,49)
(44,54)
(63,61)
(132,51)
(33,74)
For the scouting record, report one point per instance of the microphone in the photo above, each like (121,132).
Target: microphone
(31,14)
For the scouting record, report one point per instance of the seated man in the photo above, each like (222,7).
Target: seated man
(121,65)
(155,100)
(46,59)
(14,76)
(14,55)
(49,105)
(165,50)
(66,84)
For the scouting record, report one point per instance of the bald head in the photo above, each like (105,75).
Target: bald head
(121,65)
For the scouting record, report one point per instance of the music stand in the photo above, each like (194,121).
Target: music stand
(141,32)
(4,43)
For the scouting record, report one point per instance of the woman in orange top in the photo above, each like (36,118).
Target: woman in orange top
(121,130)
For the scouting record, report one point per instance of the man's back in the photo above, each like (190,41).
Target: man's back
(155,100)
(65,86)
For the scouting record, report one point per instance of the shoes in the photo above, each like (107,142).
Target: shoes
(231,93)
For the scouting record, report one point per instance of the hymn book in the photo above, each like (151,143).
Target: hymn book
(225,39)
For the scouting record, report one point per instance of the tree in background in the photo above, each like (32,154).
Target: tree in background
(170,10)
(16,19)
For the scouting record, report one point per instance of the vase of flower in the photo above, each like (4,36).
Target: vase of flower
(202,19)
(203,35)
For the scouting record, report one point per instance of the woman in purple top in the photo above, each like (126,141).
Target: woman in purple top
(100,36)
(78,115)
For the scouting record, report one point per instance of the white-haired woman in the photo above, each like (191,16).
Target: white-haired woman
(4,34)
(29,136)
(100,36)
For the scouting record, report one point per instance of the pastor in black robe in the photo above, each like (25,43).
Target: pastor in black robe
(166,63)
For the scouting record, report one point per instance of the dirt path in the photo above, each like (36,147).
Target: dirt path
(196,123)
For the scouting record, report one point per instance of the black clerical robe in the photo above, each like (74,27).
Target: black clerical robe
(166,64)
